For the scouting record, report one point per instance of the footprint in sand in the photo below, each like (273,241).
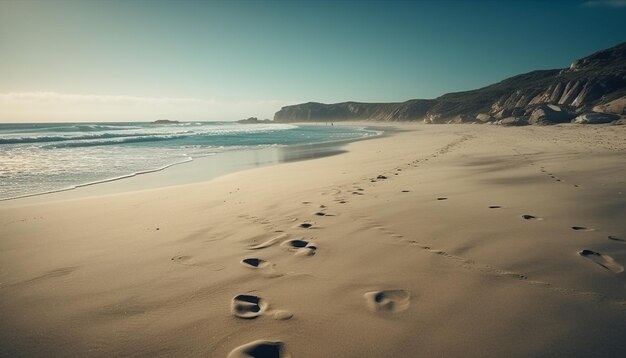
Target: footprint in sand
(250,307)
(188,261)
(442,198)
(494,206)
(605,261)
(247,306)
(530,217)
(60,272)
(388,300)
(321,213)
(300,247)
(381,177)
(582,228)
(615,238)
(268,243)
(181,258)
(265,267)
(305,225)
(255,263)
(405,191)
(260,349)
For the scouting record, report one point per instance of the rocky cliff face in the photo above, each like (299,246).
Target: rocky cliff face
(596,83)
(313,111)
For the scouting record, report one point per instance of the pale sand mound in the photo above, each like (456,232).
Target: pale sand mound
(268,243)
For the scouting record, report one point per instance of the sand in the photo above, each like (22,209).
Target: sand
(436,241)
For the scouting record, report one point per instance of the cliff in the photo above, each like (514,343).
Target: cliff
(591,85)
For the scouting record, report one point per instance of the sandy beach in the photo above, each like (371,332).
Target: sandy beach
(433,241)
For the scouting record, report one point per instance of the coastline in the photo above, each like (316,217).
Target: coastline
(199,169)
(430,219)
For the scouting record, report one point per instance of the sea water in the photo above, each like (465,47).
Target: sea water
(42,158)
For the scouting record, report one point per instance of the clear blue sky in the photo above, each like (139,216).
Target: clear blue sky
(141,60)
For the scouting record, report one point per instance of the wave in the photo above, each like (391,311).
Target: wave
(186,160)
(149,133)
(93,128)
(63,128)
(115,141)
(34,165)
(45,139)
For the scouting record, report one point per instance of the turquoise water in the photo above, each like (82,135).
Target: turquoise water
(40,158)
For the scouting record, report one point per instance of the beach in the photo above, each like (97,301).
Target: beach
(432,241)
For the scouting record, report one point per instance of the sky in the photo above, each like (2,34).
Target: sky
(135,60)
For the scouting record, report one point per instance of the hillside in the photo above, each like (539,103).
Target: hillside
(591,90)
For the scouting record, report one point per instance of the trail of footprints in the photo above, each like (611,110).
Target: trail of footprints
(249,307)
(543,170)
(554,177)
(603,260)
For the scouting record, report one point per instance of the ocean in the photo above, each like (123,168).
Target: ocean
(42,158)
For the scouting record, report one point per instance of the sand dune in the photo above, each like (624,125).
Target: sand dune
(389,270)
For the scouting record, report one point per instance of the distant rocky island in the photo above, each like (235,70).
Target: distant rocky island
(164,121)
(592,90)
(253,120)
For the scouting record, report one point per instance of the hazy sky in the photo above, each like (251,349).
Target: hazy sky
(213,60)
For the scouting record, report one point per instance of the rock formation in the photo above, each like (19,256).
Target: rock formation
(594,84)
(253,120)
(165,121)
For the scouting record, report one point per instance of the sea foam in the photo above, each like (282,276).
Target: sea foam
(41,158)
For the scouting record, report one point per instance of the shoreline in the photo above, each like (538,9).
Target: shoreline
(233,159)
(477,240)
